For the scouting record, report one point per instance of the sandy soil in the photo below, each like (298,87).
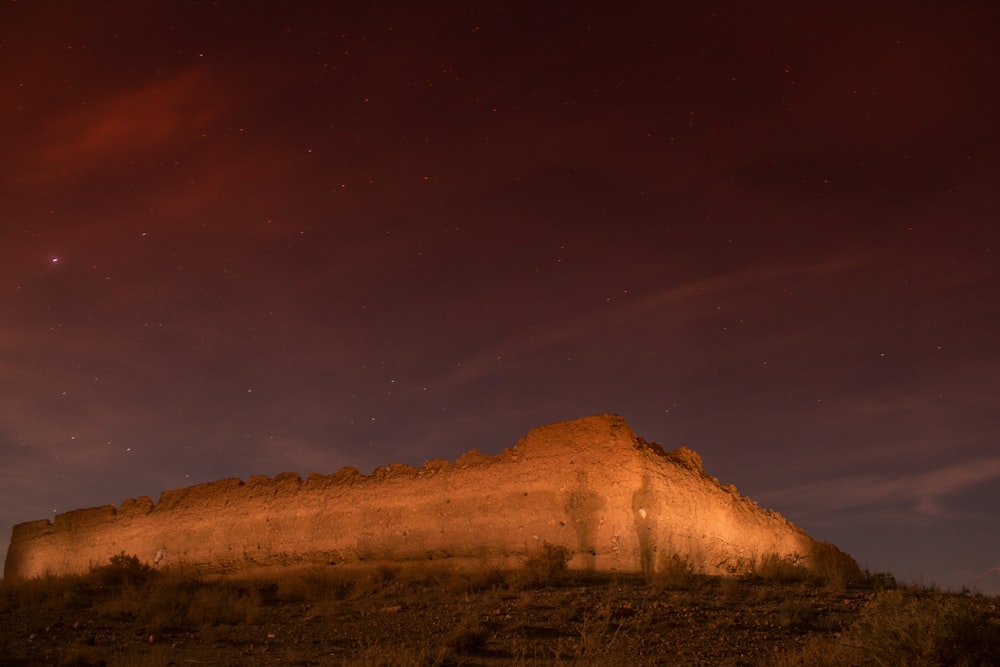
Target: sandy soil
(438,620)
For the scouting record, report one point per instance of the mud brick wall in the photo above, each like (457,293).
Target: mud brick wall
(620,503)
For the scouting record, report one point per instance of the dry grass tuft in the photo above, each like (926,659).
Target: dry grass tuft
(777,569)
(909,627)
(547,566)
(675,572)
(537,614)
(467,638)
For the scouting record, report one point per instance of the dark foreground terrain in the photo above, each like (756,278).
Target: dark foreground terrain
(127,614)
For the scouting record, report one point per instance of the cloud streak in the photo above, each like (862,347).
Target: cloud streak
(123,127)
(925,493)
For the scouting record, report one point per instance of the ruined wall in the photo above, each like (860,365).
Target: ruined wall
(590,484)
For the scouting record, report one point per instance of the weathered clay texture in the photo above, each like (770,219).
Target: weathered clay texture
(619,502)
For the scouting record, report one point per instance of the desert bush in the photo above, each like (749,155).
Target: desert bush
(385,574)
(899,628)
(223,604)
(122,569)
(825,566)
(378,655)
(675,572)
(545,567)
(599,629)
(909,628)
(880,581)
(730,588)
(79,656)
(309,585)
(834,568)
(486,579)
(821,651)
(381,580)
(436,580)
(796,614)
(777,569)
(48,592)
(467,637)
(327,585)
(172,603)
(75,591)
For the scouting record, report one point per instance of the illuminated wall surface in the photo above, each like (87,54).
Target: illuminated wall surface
(618,502)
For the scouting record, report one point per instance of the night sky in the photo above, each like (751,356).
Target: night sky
(245,238)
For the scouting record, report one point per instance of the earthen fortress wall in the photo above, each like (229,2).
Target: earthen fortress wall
(618,502)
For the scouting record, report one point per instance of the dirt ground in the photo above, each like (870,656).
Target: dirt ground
(432,619)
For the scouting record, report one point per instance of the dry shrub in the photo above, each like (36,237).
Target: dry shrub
(385,574)
(75,591)
(777,569)
(123,570)
(818,652)
(223,604)
(836,569)
(45,593)
(169,603)
(322,585)
(312,584)
(377,655)
(731,588)
(797,614)
(486,579)
(826,566)
(80,656)
(675,572)
(431,578)
(378,581)
(599,629)
(545,567)
(467,637)
(911,628)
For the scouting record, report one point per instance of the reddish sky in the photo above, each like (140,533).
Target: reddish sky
(239,240)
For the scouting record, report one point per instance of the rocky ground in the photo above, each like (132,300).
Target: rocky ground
(393,618)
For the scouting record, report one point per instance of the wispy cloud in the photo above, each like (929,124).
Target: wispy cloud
(679,304)
(125,124)
(924,493)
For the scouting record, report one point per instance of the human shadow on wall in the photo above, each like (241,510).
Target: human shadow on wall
(644,502)
(583,508)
